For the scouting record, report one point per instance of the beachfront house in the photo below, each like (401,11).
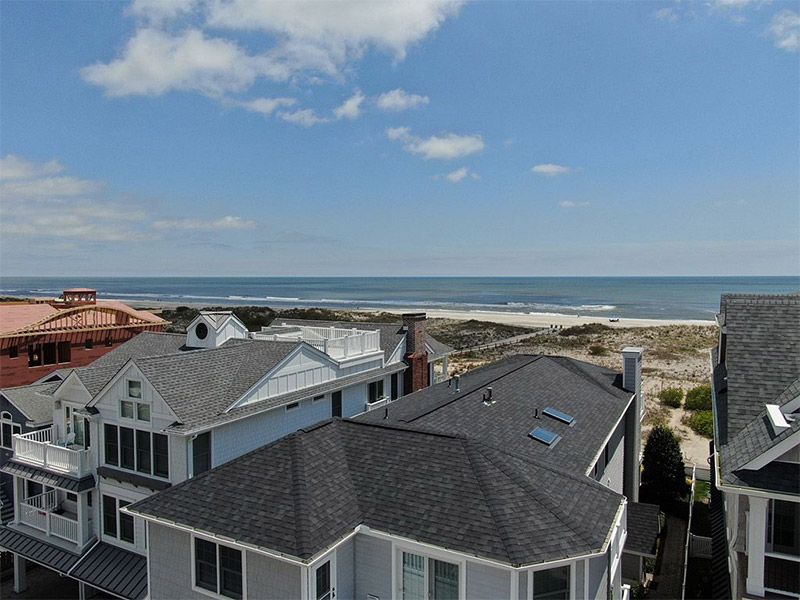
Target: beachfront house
(515,480)
(756,460)
(163,408)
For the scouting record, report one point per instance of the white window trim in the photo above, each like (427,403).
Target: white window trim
(397,565)
(330,557)
(206,592)
(128,389)
(136,452)
(572,576)
(117,514)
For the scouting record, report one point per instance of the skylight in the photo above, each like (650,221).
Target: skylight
(545,436)
(558,415)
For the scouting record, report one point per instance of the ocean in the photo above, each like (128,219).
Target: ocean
(631,297)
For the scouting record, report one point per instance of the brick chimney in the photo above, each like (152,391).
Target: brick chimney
(416,376)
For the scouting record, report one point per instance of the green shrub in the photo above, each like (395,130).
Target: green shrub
(587,329)
(663,476)
(698,398)
(598,350)
(671,396)
(701,422)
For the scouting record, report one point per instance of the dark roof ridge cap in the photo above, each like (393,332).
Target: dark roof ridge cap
(465,393)
(397,426)
(564,517)
(793,389)
(584,375)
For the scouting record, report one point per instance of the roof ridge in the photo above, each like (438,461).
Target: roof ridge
(395,426)
(583,374)
(510,471)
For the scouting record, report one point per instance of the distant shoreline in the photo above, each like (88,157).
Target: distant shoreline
(534,320)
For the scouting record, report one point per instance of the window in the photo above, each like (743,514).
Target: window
(218,568)
(64,352)
(109,342)
(336,403)
(49,353)
(126,409)
(292,406)
(127,448)
(88,344)
(134,389)
(13,352)
(322,582)
(143,411)
(318,398)
(7,429)
(201,453)
(34,355)
(374,391)
(137,450)
(112,445)
(201,331)
(115,523)
(143,451)
(427,578)
(551,584)
(783,527)
(606,453)
(395,382)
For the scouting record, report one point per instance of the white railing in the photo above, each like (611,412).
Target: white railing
(37,448)
(336,342)
(37,512)
(626,591)
(34,517)
(355,344)
(46,501)
(699,546)
(64,528)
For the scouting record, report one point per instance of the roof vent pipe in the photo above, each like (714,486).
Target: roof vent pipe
(535,413)
(458,383)
(385,412)
(489,390)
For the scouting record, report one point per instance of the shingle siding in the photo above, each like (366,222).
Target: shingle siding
(484,582)
(374,573)
(171,571)
(345,571)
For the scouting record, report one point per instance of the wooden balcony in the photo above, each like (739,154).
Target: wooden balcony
(38,448)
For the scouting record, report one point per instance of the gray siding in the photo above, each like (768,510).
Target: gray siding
(484,582)
(171,570)
(345,571)
(523,585)
(598,573)
(580,579)
(373,558)
(271,578)
(613,474)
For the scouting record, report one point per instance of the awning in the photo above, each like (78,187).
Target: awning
(113,570)
(36,550)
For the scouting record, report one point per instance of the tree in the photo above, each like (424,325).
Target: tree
(663,477)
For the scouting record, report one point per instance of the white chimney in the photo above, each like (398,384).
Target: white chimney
(632,369)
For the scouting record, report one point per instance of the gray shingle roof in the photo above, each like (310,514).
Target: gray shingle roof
(35,401)
(520,385)
(762,366)
(762,352)
(206,382)
(303,492)
(643,528)
(147,343)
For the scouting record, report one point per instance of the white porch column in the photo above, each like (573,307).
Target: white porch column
(83,518)
(20,581)
(756,545)
(81,591)
(19,493)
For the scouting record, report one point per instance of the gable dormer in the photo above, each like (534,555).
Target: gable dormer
(211,329)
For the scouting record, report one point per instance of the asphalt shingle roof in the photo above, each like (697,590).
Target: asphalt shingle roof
(761,366)
(302,493)
(521,384)
(147,343)
(35,401)
(643,528)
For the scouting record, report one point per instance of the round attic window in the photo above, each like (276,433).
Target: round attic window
(201,331)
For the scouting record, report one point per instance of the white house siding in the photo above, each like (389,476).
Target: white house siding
(373,567)
(484,581)
(170,568)
(238,437)
(345,571)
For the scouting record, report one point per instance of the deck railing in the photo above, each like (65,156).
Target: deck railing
(36,512)
(336,342)
(37,448)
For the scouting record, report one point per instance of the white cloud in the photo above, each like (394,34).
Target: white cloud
(551,170)
(225,223)
(572,204)
(47,188)
(439,147)
(16,167)
(736,4)
(154,63)
(305,117)
(666,14)
(351,108)
(784,30)
(266,106)
(461,174)
(307,39)
(399,100)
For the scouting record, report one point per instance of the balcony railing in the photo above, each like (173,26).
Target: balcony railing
(37,512)
(37,448)
(336,342)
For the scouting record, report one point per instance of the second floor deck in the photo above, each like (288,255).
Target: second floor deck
(41,449)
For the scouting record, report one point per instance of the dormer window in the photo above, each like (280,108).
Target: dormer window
(201,331)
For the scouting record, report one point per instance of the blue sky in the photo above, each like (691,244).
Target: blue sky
(203,137)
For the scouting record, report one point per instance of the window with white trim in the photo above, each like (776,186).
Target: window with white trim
(551,584)
(136,450)
(424,578)
(117,524)
(132,406)
(218,568)
(7,429)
